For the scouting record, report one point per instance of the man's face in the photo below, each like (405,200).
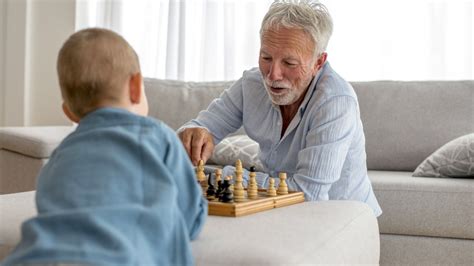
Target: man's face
(287,64)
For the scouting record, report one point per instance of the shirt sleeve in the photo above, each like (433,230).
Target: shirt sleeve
(191,202)
(223,116)
(320,163)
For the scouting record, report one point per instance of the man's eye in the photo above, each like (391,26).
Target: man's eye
(290,63)
(266,58)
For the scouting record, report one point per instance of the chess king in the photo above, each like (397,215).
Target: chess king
(304,115)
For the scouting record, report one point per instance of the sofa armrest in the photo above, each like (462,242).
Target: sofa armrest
(23,151)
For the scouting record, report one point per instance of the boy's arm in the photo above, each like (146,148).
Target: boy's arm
(190,199)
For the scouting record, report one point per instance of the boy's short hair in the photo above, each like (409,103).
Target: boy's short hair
(93,66)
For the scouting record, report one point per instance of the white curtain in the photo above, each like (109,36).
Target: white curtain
(187,40)
(218,39)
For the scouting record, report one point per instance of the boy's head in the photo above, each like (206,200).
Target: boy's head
(98,68)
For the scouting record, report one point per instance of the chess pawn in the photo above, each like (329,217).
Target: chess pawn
(227,195)
(271,191)
(252,190)
(282,187)
(210,192)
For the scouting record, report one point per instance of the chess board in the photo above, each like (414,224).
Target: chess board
(249,206)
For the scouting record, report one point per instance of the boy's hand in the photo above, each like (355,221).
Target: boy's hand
(198,143)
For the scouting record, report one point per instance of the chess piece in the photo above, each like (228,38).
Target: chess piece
(220,189)
(218,175)
(201,177)
(252,190)
(200,171)
(282,187)
(271,191)
(227,195)
(239,192)
(210,192)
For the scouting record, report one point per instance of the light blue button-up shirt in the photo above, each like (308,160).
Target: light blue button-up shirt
(322,150)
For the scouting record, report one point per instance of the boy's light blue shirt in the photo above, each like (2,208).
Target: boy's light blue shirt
(323,148)
(119,190)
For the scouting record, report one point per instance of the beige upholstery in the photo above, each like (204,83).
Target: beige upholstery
(425,251)
(424,206)
(311,232)
(23,151)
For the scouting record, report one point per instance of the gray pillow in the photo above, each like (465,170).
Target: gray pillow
(230,149)
(454,159)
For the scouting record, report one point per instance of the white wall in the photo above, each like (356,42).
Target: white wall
(33,32)
(2,41)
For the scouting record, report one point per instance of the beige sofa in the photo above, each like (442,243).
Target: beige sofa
(424,221)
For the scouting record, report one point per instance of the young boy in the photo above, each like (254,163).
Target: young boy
(120,189)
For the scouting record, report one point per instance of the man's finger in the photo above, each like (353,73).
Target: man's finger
(207,150)
(196,147)
(185,137)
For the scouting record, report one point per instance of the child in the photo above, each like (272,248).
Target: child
(120,189)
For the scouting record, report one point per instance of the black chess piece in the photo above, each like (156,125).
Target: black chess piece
(219,189)
(252,168)
(227,194)
(211,191)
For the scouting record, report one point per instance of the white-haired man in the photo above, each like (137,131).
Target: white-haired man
(304,116)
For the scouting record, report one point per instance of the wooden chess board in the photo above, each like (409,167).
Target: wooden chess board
(249,206)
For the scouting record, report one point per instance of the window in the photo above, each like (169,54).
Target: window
(217,40)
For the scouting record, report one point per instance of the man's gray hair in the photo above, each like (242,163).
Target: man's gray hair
(309,15)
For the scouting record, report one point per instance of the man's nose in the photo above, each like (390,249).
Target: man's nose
(275,72)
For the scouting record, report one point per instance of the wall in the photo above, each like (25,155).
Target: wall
(2,41)
(33,32)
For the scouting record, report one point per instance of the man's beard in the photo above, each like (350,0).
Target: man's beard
(287,96)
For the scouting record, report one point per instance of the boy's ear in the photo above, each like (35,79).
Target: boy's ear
(70,114)
(135,88)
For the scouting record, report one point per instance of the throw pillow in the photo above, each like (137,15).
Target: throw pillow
(454,159)
(230,149)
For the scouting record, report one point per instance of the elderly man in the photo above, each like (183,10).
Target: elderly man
(304,116)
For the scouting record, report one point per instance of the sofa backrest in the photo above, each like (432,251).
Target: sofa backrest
(404,121)
(176,102)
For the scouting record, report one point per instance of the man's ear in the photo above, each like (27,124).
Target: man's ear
(135,88)
(70,114)
(320,62)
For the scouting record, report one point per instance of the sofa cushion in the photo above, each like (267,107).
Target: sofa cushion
(234,148)
(405,121)
(454,159)
(14,209)
(37,142)
(330,232)
(424,206)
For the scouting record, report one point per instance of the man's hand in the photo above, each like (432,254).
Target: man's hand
(198,143)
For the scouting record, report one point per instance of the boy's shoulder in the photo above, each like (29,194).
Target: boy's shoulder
(120,124)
